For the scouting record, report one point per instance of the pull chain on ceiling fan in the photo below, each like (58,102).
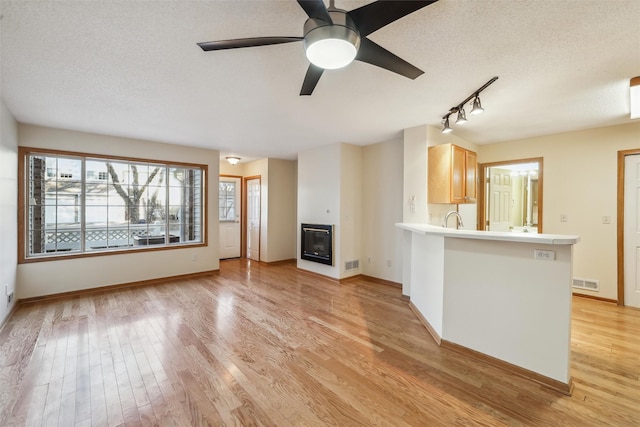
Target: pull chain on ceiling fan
(335,37)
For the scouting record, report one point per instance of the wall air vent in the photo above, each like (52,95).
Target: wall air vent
(587,284)
(352,265)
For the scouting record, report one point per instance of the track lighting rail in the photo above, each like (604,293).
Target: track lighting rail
(459,108)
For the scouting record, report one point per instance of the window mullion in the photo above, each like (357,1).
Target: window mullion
(83,200)
(167,171)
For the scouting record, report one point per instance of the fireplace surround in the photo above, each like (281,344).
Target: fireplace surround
(316,243)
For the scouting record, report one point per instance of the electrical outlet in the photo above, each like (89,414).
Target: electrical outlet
(369,260)
(564,218)
(389,263)
(606,220)
(544,254)
(194,258)
(10,298)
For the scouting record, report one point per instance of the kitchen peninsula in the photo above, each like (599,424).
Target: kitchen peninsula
(502,297)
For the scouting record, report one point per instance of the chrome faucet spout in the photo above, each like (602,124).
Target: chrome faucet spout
(458,219)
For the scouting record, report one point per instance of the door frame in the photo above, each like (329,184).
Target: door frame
(243,222)
(482,169)
(620,219)
(224,175)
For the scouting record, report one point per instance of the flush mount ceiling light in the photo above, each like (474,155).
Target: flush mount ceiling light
(477,108)
(634,97)
(232,160)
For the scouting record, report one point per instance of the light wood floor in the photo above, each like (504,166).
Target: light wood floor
(273,346)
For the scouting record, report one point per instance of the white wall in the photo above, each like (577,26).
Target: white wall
(580,180)
(415,175)
(8,207)
(350,208)
(52,277)
(382,208)
(281,221)
(227,168)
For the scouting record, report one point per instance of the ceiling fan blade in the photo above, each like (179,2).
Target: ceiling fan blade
(248,42)
(374,16)
(315,9)
(311,79)
(375,54)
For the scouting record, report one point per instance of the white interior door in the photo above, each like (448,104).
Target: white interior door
(632,231)
(499,200)
(253,219)
(229,203)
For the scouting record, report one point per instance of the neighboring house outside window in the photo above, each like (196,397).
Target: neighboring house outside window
(86,204)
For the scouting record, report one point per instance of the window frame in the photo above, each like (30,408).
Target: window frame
(23,208)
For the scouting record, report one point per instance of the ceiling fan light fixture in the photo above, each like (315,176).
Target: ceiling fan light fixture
(477,107)
(331,46)
(232,160)
(634,97)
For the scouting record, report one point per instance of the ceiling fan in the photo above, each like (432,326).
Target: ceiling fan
(335,37)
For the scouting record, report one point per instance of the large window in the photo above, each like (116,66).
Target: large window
(83,204)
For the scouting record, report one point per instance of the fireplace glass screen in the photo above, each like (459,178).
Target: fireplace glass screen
(317,243)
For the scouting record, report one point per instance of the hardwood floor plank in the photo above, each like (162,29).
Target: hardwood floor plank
(36,407)
(273,346)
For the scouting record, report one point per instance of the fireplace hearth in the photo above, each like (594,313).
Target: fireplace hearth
(317,243)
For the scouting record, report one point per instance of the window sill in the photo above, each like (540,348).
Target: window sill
(107,252)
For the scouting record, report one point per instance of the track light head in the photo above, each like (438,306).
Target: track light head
(462,117)
(477,107)
(446,128)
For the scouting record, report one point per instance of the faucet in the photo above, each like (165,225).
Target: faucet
(458,222)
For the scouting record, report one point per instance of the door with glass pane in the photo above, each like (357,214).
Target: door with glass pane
(229,205)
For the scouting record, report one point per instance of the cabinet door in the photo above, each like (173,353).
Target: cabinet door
(472,177)
(458,174)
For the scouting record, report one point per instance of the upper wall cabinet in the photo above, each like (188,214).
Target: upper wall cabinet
(453,174)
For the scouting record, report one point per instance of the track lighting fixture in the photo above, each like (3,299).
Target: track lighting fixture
(476,108)
(445,123)
(462,117)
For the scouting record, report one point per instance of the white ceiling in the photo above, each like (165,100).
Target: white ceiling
(133,69)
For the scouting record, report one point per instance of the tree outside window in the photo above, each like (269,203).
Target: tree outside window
(79,204)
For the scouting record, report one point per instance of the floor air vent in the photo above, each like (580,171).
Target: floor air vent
(588,284)
(352,265)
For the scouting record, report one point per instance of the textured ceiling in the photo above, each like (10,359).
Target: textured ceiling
(132,68)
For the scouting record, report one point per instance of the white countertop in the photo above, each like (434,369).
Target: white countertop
(549,239)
